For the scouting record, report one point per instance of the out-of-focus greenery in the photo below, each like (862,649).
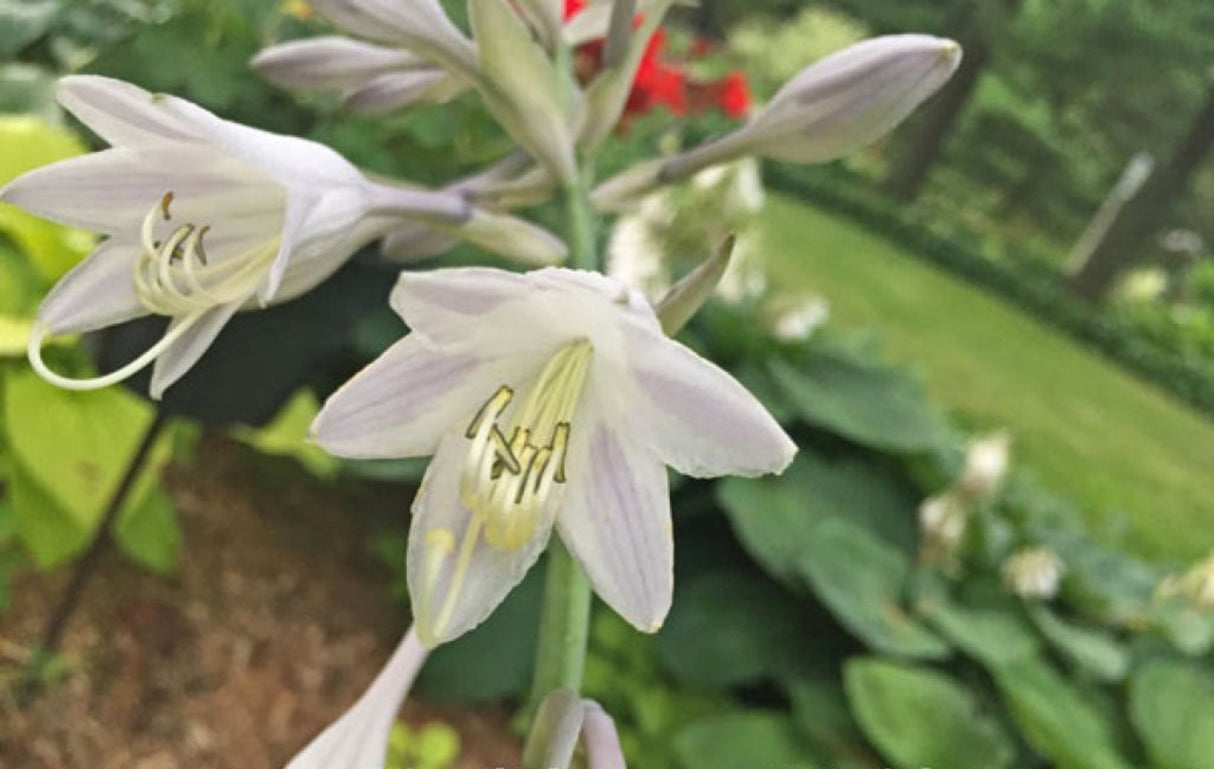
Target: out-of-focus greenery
(1111,442)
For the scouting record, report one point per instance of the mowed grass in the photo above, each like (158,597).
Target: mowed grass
(1108,441)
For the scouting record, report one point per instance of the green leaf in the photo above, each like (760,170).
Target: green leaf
(918,717)
(14,336)
(71,450)
(494,660)
(776,517)
(149,532)
(24,21)
(27,143)
(47,530)
(993,635)
(1055,718)
(747,739)
(860,399)
(1090,648)
(1172,708)
(287,435)
(861,580)
(728,628)
(821,712)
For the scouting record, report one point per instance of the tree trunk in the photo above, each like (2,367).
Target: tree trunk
(939,116)
(1127,237)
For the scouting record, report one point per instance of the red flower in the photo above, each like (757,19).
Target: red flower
(734,98)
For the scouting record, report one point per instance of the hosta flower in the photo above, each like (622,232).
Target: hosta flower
(986,465)
(202,217)
(1034,572)
(360,737)
(844,102)
(547,399)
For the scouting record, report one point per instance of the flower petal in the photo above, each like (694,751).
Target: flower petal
(96,293)
(600,738)
(404,402)
(420,25)
(398,90)
(121,113)
(444,304)
(450,593)
(360,737)
(111,191)
(616,522)
(329,62)
(697,417)
(181,356)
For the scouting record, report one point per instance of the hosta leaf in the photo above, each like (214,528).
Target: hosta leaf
(1172,707)
(861,580)
(918,717)
(861,399)
(1056,719)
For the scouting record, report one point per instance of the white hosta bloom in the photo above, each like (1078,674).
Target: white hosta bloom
(943,520)
(547,399)
(798,320)
(202,217)
(1034,572)
(372,79)
(986,465)
(1196,585)
(836,106)
(421,27)
(360,737)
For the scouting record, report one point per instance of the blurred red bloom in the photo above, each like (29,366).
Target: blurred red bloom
(660,82)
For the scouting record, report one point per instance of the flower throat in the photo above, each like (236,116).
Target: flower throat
(508,482)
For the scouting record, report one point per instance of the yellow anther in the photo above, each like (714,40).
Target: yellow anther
(509,486)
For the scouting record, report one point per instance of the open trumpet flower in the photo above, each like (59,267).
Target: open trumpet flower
(201,217)
(547,399)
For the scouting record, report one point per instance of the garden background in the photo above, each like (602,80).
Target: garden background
(954,281)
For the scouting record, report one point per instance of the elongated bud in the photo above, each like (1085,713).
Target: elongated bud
(838,105)
(554,733)
(505,235)
(422,26)
(689,294)
(600,739)
(521,87)
(619,32)
(1196,585)
(398,90)
(546,18)
(330,63)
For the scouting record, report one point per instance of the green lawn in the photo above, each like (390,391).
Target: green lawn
(1085,427)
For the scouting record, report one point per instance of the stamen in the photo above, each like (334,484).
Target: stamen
(510,486)
(174,277)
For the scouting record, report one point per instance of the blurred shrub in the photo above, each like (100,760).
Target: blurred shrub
(1175,358)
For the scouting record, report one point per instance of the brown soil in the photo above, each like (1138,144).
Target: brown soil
(275,622)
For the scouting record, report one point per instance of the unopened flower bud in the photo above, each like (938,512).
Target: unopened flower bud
(798,320)
(1034,572)
(836,106)
(1196,585)
(521,87)
(986,465)
(943,520)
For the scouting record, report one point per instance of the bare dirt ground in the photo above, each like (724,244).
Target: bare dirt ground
(275,622)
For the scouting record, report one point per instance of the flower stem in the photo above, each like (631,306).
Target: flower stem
(564,626)
(87,565)
(580,224)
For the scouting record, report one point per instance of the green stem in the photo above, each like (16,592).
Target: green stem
(580,223)
(564,626)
